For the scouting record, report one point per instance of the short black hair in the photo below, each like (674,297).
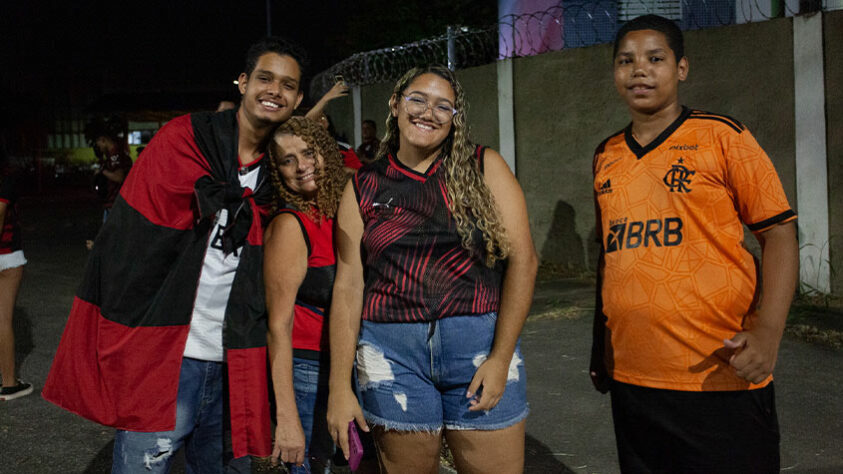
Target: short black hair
(370,122)
(277,45)
(112,127)
(668,28)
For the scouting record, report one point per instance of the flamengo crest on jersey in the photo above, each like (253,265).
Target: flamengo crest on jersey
(678,177)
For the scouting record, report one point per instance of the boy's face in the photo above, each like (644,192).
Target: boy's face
(646,72)
(272,91)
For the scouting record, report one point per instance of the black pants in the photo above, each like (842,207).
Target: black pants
(669,431)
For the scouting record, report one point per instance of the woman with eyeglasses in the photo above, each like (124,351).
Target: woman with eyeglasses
(435,272)
(307,174)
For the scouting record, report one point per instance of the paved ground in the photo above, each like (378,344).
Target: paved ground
(569,429)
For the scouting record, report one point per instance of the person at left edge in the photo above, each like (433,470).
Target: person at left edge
(12,262)
(172,296)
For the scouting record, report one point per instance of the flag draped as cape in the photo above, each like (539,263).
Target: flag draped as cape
(119,359)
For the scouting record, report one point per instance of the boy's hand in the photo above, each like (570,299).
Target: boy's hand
(599,377)
(755,353)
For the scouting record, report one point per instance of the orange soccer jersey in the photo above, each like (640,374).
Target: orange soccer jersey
(677,279)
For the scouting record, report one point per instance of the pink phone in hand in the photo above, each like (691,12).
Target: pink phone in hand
(355,447)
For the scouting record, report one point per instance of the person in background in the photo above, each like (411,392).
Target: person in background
(349,159)
(226,105)
(369,148)
(339,89)
(106,136)
(113,161)
(317,113)
(12,262)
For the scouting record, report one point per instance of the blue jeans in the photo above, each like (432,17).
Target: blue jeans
(310,383)
(414,376)
(199,428)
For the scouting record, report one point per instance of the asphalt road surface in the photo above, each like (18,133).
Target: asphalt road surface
(569,429)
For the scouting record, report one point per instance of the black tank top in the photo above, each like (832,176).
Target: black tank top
(416,268)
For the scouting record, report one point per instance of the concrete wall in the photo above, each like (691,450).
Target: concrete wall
(746,72)
(565,105)
(833,41)
(375,105)
(481,92)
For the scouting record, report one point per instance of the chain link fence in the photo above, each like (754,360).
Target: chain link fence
(568,24)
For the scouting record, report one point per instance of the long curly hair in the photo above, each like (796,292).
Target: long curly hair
(469,199)
(330,180)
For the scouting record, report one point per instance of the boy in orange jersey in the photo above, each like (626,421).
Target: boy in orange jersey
(686,336)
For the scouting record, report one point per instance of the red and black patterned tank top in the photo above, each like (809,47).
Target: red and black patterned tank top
(415,265)
(310,333)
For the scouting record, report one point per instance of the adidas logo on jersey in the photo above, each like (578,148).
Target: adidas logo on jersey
(606,187)
(654,232)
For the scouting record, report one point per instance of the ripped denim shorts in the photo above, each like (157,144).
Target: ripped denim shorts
(414,376)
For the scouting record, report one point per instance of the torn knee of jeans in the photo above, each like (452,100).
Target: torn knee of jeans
(512,375)
(372,367)
(162,451)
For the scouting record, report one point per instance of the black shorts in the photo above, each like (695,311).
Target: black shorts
(695,432)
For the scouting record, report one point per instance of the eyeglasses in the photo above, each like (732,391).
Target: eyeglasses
(417,106)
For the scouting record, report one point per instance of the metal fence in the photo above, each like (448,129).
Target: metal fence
(568,24)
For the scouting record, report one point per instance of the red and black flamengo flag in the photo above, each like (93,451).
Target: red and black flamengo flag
(119,359)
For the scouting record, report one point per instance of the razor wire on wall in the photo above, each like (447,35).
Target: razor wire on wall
(568,24)
(468,47)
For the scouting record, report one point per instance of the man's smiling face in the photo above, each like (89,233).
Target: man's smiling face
(272,91)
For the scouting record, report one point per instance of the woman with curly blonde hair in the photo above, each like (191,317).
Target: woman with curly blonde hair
(438,228)
(307,174)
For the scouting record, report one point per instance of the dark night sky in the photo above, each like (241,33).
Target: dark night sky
(154,45)
(69,53)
